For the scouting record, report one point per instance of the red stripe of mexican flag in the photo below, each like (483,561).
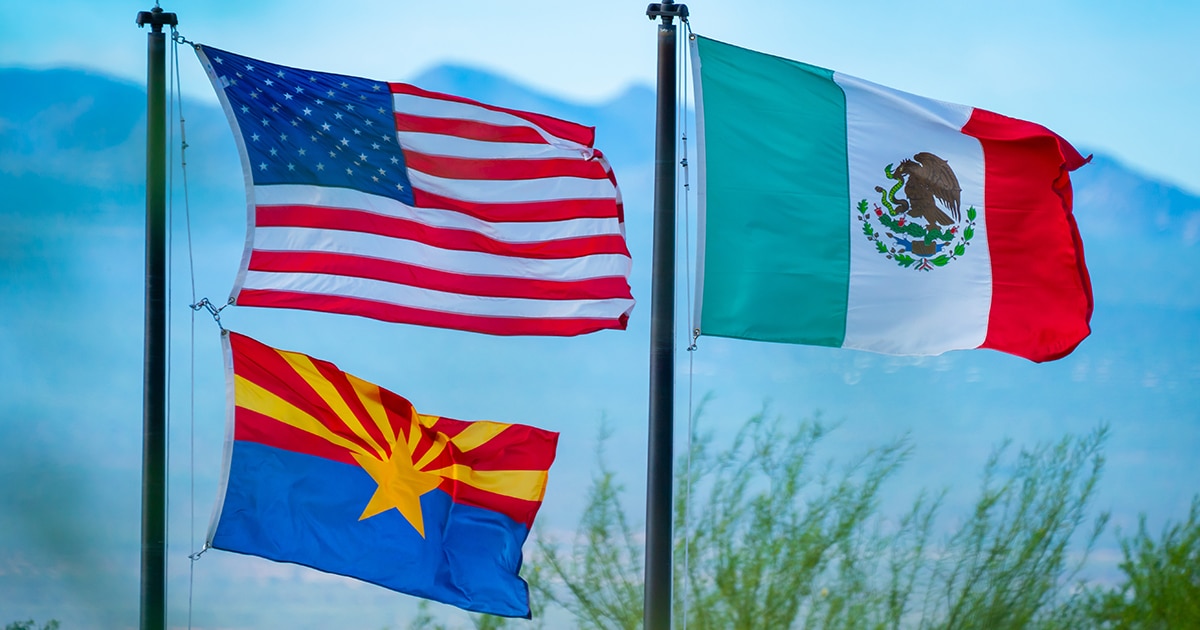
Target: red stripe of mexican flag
(1032,280)
(839,212)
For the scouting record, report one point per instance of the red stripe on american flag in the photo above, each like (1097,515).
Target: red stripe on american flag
(555,327)
(444,238)
(1041,292)
(471,129)
(423,277)
(532,211)
(556,126)
(612,177)
(467,168)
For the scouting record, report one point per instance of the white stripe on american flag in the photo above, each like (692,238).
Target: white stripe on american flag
(461,262)
(513,191)
(439,108)
(438,144)
(509,232)
(402,295)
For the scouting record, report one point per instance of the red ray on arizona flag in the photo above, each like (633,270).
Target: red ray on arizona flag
(387,201)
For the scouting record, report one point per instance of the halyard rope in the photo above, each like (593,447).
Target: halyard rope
(177,99)
(682,100)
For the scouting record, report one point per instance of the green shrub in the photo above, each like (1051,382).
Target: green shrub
(1162,581)
(30,624)
(776,539)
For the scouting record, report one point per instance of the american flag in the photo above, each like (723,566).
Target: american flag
(388,201)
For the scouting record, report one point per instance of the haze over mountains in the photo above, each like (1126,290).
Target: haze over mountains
(71,237)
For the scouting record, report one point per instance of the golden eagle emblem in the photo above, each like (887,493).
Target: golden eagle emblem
(928,177)
(932,195)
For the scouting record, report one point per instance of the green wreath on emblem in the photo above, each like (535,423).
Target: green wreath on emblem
(912,245)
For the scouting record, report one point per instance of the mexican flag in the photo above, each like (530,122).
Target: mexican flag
(838,212)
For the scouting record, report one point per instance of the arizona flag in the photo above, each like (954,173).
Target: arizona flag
(326,470)
(388,201)
(838,212)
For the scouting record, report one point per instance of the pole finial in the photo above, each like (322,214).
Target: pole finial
(667,11)
(157,19)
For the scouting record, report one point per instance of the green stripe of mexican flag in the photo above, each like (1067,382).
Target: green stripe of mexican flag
(837,212)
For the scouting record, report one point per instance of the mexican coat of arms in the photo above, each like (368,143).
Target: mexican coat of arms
(924,228)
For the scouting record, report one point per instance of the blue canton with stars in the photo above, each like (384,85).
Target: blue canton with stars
(314,128)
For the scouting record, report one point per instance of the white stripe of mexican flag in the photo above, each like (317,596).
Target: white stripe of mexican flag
(842,213)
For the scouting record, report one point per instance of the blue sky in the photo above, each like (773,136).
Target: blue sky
(1109,77)
(1116,77)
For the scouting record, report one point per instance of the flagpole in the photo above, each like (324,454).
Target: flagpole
(154,444)
(657,595)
